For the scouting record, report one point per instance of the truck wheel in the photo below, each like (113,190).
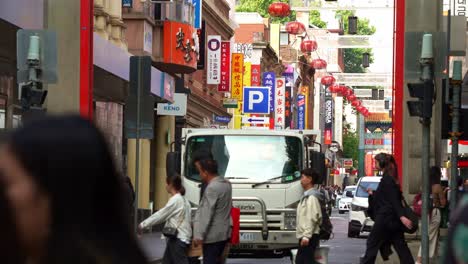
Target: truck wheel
(352,232)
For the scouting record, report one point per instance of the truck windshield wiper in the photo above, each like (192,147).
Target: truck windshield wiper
(268,181)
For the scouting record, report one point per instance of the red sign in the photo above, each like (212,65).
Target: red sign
(256,75)
(179,47)
(224,85)
(328,136)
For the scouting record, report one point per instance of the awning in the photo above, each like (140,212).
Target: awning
(26,14)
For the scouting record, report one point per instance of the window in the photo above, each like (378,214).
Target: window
(284,38)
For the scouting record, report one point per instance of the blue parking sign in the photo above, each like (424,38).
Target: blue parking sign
(256,100)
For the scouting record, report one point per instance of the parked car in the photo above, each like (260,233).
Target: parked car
(346,199)
(359,221)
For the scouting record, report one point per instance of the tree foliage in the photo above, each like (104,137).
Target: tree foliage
(261,7)
(314,19)
(351,146)
(353,57)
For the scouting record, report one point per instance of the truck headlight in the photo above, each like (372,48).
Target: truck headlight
(357,208)
(290,220)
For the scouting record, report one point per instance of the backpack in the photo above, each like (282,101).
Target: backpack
(417,204)
(326,227)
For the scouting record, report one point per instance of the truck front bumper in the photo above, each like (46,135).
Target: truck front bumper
(276,240)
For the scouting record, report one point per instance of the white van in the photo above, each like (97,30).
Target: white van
(359,221)
(345,201)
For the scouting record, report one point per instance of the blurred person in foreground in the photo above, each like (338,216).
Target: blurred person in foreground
(65,194)
(456,244)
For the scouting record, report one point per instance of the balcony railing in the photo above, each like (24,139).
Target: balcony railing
(177,10)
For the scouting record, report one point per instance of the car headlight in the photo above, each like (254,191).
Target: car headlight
(357,208)
(290,220)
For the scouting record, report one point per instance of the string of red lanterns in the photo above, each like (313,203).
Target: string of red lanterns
(279,9)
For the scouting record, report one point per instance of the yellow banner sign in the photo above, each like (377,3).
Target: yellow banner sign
(237,76)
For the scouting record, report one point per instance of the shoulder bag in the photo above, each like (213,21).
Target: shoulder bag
(412,216)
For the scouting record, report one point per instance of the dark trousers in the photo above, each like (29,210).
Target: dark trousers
(213,252)
(176,252)
(306,255)
(382,235)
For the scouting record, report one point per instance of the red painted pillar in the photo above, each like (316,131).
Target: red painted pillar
(398,84)
(86,58)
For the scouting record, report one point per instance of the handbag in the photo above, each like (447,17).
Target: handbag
(171,232)
(412,216)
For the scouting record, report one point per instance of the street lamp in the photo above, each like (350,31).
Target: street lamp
(365,60)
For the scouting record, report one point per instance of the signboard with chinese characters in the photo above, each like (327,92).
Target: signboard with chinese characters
(255,76)
(289,82)
(213,45)
(269,80)
(148,38)
(224,85)
(180,53)
(247,73)
(328,120)
(237,76)
(301,107)
(280,91)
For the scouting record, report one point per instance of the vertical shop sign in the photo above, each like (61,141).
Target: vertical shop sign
(269,80)
(237,76)
(328,120)
(256,75)
(301,111)
(289,82)
(214,59)
(201,53)
(197,8)
(224,85)
(280,103)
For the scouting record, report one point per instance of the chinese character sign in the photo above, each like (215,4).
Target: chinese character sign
(280,91)
(301,107)
(237,68)
(224,85)
(247,73)
(269,80)
(289,82)
(255,75)
(214,59)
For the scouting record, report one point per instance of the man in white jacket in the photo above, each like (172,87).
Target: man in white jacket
(309,218)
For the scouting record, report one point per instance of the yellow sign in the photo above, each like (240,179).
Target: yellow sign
(238,116)
(237,76)
(305,91)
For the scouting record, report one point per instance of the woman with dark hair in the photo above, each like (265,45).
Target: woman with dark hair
(387,211)
(65,194)
(176,214)
(437,202)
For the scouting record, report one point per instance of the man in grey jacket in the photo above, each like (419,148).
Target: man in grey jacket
(212,226)
(308,218)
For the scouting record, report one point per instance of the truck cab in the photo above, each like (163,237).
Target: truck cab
(263,167)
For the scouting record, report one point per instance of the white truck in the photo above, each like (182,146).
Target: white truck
(264,169)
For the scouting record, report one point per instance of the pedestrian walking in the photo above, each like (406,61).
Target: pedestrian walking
(437,202)
(309,218)
(176,214)
(212,225)
(65,194)
(385,205)
(455,244)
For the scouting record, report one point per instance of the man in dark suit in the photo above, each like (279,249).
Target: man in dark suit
(214,211)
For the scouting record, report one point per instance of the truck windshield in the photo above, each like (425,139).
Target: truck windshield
(250,158)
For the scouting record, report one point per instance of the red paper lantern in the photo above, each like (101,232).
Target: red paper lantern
(356,103)
(318,64)
(365,112)
(308,46)
(360,108)
(295,28)
(328,80)
(348,92)
(279,9)
(351,97)
(334,88)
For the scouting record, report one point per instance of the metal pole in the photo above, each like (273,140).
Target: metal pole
(426,76)
(456,82)
(137,148)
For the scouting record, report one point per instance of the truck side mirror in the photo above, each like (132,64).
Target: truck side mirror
(317,161)
(173,163)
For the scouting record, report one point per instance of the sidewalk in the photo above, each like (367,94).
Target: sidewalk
(153,246)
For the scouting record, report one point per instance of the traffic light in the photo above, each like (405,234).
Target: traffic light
(424,91)
(32,96)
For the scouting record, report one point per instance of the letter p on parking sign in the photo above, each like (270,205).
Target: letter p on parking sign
(256,100)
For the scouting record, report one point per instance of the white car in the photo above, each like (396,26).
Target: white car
(359,221)
(345,201)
